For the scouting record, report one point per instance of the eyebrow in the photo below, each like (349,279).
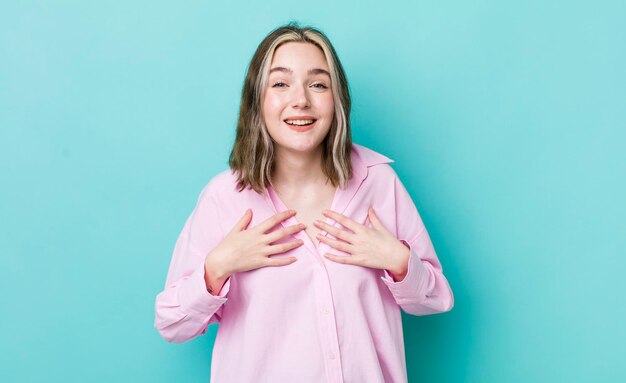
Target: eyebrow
(311,71)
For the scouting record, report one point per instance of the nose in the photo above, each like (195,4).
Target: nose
(300,97)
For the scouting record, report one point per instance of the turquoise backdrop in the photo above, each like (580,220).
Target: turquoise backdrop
(506,121)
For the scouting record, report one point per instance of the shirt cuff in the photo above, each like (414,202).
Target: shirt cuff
(194,296)
(415,283)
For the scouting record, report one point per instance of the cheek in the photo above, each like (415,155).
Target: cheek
(272,104)
(328,104)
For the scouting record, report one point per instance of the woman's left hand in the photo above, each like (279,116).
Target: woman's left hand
(373,247)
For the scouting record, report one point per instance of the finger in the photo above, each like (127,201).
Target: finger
(282,247)
(280,233)
(275,220)
(244,221)
(339,245)
(336,232)
(343,220)
(374,219)
(280,261)
(348,260)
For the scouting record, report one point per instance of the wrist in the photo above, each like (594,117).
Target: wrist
(401,267)
(215,270)
(214,279)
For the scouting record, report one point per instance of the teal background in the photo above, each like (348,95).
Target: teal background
(505,119)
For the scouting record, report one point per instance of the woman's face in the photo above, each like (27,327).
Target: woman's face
(298,108)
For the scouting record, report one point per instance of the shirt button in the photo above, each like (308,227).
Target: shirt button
(325,310)
(331,356)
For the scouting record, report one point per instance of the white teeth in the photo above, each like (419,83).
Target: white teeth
(299,122)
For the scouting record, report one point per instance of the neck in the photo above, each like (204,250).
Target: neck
(293,170)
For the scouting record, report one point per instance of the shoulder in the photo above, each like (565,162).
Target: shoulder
(220,185)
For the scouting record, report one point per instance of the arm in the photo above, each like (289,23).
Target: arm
(424,289)
(185,307)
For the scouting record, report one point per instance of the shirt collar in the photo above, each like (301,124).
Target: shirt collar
(369,157)
(362,159)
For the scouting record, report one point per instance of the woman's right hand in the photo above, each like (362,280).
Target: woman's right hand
(245,249)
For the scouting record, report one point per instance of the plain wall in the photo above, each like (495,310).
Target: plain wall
(506,121)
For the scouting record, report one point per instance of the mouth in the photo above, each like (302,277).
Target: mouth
(300,125)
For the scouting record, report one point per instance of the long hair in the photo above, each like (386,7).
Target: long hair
(252,156)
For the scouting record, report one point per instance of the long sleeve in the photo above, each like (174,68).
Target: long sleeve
(184,309)
(424,290)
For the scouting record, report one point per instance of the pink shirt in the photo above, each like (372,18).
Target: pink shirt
(314,320)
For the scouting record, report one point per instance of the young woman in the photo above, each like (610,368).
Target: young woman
(308,247)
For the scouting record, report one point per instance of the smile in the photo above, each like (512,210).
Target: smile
(300,125)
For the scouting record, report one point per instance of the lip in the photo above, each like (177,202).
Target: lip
(301,128)
(300,118)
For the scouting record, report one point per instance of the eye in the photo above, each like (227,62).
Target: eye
(321,86)
(278,83)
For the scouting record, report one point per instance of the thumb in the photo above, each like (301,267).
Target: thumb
(374,219)
(244,221)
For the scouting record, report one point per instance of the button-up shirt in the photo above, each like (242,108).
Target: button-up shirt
(313,320)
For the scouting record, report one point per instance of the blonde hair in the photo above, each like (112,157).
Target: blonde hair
(252,156)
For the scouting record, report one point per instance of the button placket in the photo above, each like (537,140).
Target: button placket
(323,293)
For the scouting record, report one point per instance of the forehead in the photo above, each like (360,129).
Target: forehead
(298,56)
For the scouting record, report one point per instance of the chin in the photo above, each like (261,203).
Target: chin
(302,147)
